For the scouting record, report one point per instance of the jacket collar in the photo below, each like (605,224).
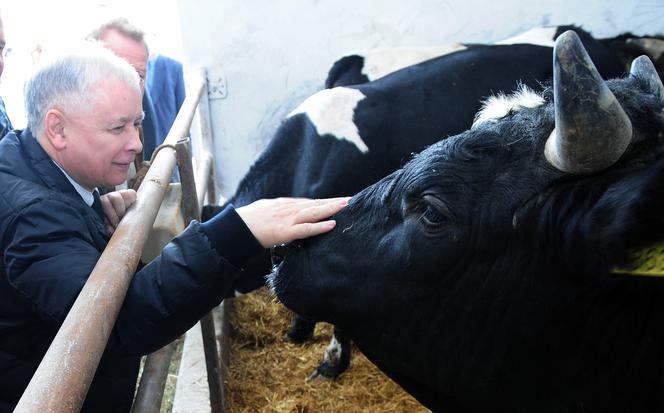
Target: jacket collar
(48,171)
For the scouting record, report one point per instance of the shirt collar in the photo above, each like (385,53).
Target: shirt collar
(87,196)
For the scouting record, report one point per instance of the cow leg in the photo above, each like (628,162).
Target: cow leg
(337,356)
(301,329)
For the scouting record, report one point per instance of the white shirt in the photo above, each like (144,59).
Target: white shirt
(87,196)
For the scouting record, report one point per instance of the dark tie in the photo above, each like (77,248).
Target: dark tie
(96,205)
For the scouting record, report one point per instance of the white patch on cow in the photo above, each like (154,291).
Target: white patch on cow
(498,106)
(381,62)
(333,352)
(540,36)
(331,111)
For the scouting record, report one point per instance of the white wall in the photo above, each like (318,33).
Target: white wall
(274,53)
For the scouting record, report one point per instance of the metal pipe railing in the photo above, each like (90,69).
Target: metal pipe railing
(191,210)
(153,380)
(150,391)
(205,179)
(66,371)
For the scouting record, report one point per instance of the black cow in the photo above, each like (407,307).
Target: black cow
(482,275)
(340,140)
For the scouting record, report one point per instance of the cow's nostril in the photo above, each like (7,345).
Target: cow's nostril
(278,253)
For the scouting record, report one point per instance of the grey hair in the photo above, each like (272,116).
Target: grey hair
(122,26)
(65,81)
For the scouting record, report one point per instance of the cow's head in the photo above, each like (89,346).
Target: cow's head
(472,258)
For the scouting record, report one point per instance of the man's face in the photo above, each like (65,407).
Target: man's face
(102,140)
(128,49)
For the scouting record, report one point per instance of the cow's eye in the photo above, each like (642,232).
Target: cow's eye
(434,213)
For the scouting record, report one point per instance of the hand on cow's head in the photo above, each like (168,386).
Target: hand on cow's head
(282,220)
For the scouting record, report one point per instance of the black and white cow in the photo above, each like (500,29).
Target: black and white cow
(481,275)
(368,65)
(342,139)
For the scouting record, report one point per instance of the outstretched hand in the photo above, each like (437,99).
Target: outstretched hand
(281,220)
(115,204)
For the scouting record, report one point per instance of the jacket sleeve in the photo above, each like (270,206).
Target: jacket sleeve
(183,283)
(50,252)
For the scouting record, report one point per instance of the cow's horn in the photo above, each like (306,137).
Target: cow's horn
(592,130)
(642,67)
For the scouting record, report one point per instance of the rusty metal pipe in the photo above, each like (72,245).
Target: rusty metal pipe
(153,380)
(66,371)
(191,210)
(203,178)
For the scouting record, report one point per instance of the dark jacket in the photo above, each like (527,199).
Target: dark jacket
(5,123)
(51,241)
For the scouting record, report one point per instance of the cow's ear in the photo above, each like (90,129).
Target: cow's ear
(628,216)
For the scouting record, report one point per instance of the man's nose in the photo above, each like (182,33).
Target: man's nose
(135,143)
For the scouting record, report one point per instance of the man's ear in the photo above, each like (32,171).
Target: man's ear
(54,129)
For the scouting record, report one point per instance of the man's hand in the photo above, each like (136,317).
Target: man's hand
(115,204)
(281,220)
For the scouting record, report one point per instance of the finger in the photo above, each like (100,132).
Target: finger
(109,209)
(324,209)
(311,229)
(129,197)
(119,205)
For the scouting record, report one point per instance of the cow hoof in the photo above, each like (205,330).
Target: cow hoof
(335,360)
(326,371)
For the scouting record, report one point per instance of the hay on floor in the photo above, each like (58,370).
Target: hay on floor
(268,374)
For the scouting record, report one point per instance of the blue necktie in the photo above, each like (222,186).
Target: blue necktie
(96,205)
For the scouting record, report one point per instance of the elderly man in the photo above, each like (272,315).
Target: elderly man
(83,112)
(128,42)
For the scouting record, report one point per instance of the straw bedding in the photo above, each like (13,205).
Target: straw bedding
(268,374)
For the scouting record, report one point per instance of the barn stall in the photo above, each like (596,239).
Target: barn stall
(269,58)
(264,58)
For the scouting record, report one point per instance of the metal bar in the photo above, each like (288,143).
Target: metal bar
(221,314)
(206,140)
(212,192)
(212,364)
(204,179)
(191,211)
(153,380)
(66,371)
(190,208)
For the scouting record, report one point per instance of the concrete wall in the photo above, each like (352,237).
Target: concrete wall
(269,55)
